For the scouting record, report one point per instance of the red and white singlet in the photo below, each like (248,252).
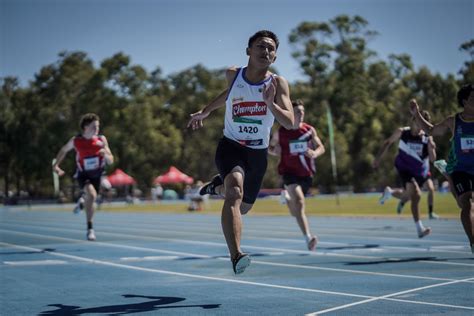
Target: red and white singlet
(88,158)
(293,144)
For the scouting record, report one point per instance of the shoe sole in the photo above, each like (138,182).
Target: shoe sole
(242,264)
(426,232)
(312,244)
(203,189)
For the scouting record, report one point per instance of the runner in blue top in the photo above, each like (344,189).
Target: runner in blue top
(460,166)
(416,149)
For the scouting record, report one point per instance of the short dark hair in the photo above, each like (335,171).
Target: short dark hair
(464,93)
(297,102)
(264,33)
(88,118)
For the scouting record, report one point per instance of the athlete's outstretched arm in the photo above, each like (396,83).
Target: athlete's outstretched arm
(386,144)
(317,145)
(60,156)
(436,129)
(196,119)
(276,95)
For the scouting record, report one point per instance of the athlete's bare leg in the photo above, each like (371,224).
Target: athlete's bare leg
(231,217)
(89,200)
(467,214)
(296,204)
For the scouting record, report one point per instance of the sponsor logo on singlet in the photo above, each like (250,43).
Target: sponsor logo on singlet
(251,142)
(249,109)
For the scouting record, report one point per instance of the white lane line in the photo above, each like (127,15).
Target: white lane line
(449,263)
(34,262)
(388,296)
(149,258)
(197,276)
(187,254)
(214,244)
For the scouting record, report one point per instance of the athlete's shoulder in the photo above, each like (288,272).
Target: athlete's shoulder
(308,126)
(231,73)
(280,80)
(77,137)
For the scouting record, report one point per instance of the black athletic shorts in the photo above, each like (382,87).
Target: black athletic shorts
(407,176)
(462,181)
(93,178)
(230,154)
(304,182)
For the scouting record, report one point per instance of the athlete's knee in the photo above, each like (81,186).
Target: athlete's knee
(90,191)
(299,201)
(465,202)
(233,193)
(416,193)
(415,197)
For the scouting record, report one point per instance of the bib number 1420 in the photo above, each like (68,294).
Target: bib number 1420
(248,129)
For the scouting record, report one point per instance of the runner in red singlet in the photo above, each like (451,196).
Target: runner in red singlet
(297,148)
(92,154)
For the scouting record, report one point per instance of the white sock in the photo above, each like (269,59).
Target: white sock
(419,226)
(308,238)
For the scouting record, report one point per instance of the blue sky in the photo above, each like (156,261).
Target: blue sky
(177,34)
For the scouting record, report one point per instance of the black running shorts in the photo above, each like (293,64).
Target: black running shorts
(84,178)
(230,154)
(462,181)
(406,177)
(304,182)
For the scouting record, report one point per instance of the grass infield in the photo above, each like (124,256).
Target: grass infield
(349,205)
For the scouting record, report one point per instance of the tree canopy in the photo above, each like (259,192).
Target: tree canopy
(144,115)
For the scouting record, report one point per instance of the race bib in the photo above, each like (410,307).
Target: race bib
(91,163)
(298,146)
(418,148)
(467,143)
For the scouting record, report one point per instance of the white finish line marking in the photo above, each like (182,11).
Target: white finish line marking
(34,262)
(148,258)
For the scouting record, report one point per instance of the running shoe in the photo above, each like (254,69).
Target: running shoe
(90,235)
(433,215)
(387,193)
(312,243)
(240,263)
(425,232)
(79,206)
(284,197)
(400,207)
(440,165)
(210,187)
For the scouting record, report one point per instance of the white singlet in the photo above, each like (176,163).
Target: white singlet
(248,120)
